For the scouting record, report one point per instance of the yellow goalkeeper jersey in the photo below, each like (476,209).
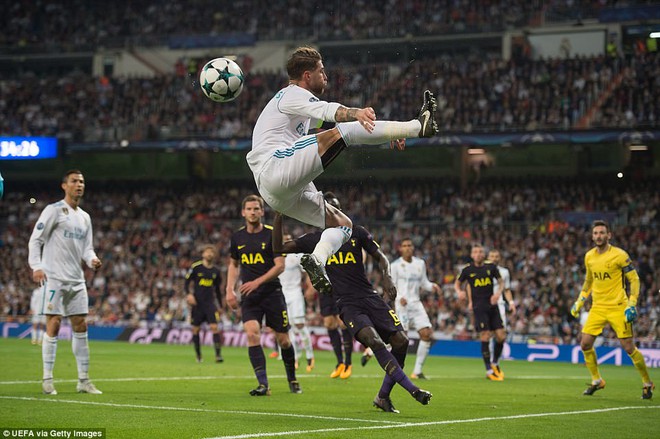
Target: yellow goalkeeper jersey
(605,275)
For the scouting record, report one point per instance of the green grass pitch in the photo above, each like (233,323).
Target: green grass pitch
(159,391)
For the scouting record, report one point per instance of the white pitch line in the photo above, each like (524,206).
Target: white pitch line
(421,424)
(235,377)
(191,409)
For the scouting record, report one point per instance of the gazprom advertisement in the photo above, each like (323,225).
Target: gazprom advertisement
(320,340)
(28,148)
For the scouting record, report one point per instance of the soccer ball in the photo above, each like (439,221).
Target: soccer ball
(221,80)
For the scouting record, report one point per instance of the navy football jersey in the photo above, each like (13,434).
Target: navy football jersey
(346,267)
(254,251)
(481,281)
(206,283)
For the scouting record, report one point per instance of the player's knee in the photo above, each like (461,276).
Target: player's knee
(585,346)
(370,338)
(399,342)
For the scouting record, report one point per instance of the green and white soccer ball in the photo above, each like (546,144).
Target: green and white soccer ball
(221,80)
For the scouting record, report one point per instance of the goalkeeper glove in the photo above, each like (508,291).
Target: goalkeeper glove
(577,306)
(631,314)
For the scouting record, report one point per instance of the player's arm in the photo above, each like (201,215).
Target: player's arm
(218,291)
(278,268)
(586,291)
(427,285)
(366,116)
(233,270)
(389,287)
(40,234)
(190,297)
(89,255)
(633,280)
(279,246)
(500,287)
(458,283)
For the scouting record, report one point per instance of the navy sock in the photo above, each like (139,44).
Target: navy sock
(348,346)
(289,360)
(217,343)
(335,341)
(258,360)
(388,382)
(485,353)
(196,343)
(391,367)
(498,351)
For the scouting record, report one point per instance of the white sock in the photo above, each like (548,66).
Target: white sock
(81,352)
(422,351)
(35,334)
(306,341)
(292,336)
(354,134)
(331,240)
(48,351)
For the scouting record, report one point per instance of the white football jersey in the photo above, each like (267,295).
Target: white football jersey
(291,277)
(410,277)
(61,239)
(285,119)
(506,278)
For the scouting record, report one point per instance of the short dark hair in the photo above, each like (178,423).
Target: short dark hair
(65,177)
(599,223)
(407,238)
(332,199)
(252,198)
(301,60)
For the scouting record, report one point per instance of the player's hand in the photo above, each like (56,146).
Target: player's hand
(389,290)
(249,287)
(575,309)
(461,294)
(470,306)
(403,301)
(366,117)
(232,300)
(512,307)
(494,298)
(399,144)
(39,276)
(96,263)
(631,314)
(190,298)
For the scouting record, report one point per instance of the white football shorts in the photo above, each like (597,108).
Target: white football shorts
(65,298)
(285,182)
(295,306)
(413,316)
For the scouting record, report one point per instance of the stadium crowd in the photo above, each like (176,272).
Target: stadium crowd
(147,238)
(475,93)
(79,24)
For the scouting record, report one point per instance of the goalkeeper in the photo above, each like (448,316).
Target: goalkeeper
(605,267)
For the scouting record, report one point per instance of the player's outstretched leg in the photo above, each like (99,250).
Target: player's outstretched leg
(317,275)
(427,116)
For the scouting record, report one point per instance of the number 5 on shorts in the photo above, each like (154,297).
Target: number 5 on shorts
(285,318)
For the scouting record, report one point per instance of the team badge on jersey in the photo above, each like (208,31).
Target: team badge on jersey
(65,211)
(40,226)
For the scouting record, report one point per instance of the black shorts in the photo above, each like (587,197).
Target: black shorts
(204,313)
(328,305)
(272,305)
(370,311)
(487,318)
